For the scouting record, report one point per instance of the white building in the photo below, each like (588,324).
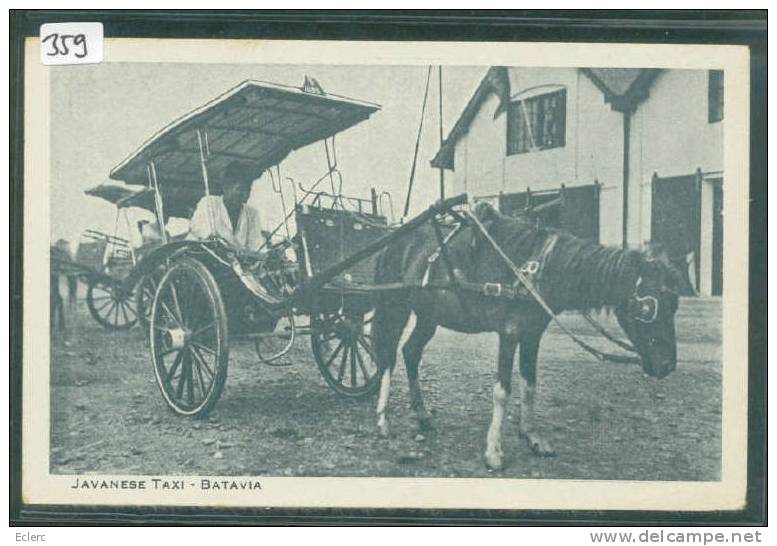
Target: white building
(641,144)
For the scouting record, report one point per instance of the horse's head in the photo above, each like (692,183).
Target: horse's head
(648,317)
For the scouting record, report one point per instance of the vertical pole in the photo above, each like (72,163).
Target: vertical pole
(417,142)
(129,237)
(442,172)
(626,152)
(204,167)
(160,213)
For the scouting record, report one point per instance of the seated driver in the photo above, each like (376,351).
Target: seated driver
(228,216)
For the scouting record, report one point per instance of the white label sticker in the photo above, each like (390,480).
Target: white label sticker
(71,43)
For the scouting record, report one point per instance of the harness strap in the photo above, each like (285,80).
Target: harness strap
(601,356)
(599,328)
(436,254)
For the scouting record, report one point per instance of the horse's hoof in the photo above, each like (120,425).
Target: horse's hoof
(540,447)
(383,431)
(425,425)
(494,461)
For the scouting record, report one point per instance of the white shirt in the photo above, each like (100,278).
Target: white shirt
(211,218)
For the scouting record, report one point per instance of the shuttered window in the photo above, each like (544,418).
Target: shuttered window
(546,127)
(715,95)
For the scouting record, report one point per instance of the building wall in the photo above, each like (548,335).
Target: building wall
(671,136)
(480,154)
(593,149)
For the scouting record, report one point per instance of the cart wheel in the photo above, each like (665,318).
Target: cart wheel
(189,339)
(342,347)
(112,308)
(144,297)
(273,345)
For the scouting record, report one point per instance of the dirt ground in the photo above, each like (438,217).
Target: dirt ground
(606,421)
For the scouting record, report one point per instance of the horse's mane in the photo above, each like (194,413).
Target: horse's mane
(582,274)
(577,273)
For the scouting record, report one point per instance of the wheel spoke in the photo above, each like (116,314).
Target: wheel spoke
(361,364)
(367,347)
(353,366)
(189,378)
(131,309)
(104,305)
(200,331)
(170,313)
(123,313)
(174,296)
(206,348)
(173,367)
(198,356)
(183,378)
(200,375)
(187,301)
(334,354)
(343,361)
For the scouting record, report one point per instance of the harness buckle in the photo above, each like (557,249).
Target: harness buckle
(492,289)
(530,268)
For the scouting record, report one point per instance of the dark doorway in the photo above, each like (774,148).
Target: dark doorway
(676,224)
(574,209)
(717,237)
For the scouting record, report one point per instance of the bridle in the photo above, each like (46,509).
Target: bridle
(647,311)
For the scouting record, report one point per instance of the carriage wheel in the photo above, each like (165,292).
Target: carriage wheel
(275,344)
(111,307)
(189,339)
(342,347)
(144,296)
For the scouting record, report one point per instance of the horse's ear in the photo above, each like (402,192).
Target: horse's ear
(485,212)
(656,252)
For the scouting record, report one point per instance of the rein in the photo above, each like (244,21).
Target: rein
(524,280)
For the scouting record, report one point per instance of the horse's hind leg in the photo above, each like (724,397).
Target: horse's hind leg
(387,327)
(412,351)
(528,392)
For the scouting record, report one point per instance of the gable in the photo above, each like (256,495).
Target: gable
(623,89)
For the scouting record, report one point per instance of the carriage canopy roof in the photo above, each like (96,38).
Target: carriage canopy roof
(113,193)
(179,202)
(256,122)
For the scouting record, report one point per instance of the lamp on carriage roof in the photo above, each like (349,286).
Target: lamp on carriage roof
(311,85)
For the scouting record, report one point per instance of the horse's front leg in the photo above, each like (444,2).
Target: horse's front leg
(412,352)
(387,327)
(508,341)
(528,393)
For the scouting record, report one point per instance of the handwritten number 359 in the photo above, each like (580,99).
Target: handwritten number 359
(59,44)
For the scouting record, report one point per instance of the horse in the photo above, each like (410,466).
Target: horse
(468,287)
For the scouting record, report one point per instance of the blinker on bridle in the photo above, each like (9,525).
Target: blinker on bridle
(647,306)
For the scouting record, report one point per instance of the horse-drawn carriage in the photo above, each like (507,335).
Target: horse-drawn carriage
(117,289)
(316,281)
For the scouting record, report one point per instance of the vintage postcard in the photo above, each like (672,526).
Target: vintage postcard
(386,274)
